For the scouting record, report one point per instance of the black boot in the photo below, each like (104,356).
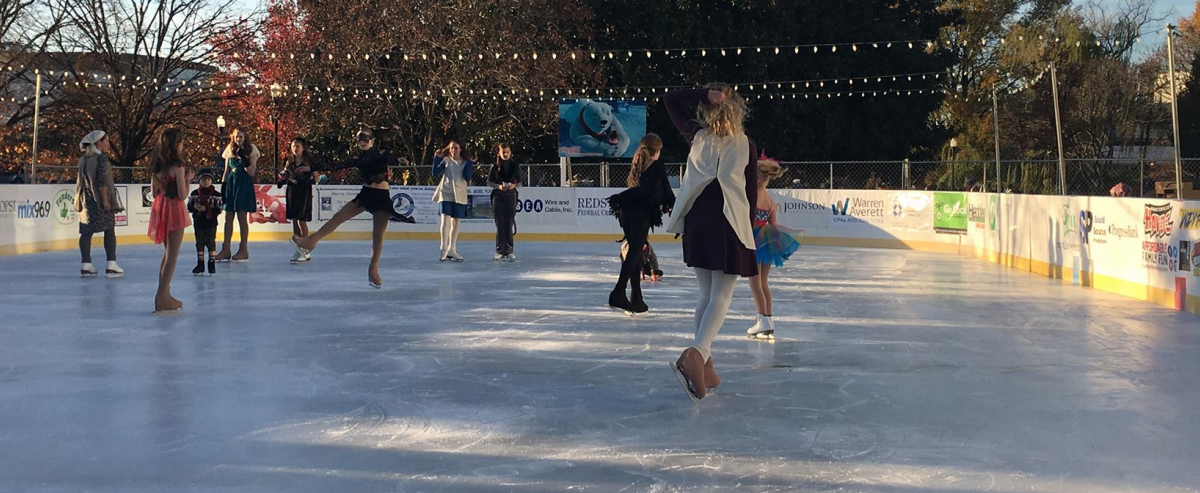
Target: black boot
(617,299)
(199,266)
(212,266)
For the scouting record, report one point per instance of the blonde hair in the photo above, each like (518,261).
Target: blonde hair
(769,169)
(727,118)
(647,147)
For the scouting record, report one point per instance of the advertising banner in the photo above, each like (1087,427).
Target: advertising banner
(950,213)
(591,210)
(604,129)
(546,207)
(802,209)
(859,210)
(911,212)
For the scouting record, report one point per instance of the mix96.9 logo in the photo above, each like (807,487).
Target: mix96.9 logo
(33,209)
(527,205)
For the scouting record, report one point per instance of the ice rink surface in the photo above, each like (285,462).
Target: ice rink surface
(894,371)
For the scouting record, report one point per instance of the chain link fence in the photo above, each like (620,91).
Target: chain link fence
(1088,177)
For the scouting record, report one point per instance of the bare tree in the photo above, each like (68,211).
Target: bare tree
(136,66)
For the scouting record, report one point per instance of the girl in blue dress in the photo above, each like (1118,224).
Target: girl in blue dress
(774,245)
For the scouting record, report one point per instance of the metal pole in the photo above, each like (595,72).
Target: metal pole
(275,157)
(1175,111)
(831,175)
(996,127)
(37,121)
(1062,163)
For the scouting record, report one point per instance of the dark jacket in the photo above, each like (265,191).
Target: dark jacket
(210,198)
(648,201)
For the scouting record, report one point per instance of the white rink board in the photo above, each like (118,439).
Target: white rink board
(1143,242)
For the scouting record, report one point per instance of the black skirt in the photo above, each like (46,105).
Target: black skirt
(633,209)
(374,200)
(299,202)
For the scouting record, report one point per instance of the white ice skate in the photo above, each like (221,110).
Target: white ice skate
(113,270)
(496,257)
(510,258)
(300,257)
(88,270)
(763,329)
(300,251)
(453,256)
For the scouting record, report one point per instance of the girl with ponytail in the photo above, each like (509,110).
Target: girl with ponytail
(639,209)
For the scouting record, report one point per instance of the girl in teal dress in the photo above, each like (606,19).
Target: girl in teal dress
(241,163)
(774,245)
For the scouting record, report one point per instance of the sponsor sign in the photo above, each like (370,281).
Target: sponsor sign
(63,206)
(950,213)
(1189,219)
(546,207)
(994,213)
(801,209)
(911,211)
(1185,256)
(271,205)
(414,202)
(1196,259)
(865,209)
(1157,224)
(122,217)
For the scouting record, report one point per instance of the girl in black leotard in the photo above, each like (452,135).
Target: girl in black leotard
(638,209)
(374,197)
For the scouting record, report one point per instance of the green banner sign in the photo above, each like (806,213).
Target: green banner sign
(950,213)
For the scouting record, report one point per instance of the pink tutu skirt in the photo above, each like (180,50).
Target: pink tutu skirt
(167,215)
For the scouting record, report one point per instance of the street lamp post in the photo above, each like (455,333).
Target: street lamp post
(276,91)
(217,140)
(953,161)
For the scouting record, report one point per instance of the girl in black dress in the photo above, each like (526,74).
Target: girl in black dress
(374,198)
(298,177)
(639,209)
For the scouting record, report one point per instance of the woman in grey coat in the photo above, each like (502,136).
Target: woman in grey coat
(97,202)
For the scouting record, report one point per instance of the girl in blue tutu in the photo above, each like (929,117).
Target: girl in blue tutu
(774,245)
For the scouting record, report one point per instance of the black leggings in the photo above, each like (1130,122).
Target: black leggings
(631,268)
(505,206)
(110,245)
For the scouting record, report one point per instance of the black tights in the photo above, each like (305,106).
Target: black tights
(631,267)
(110,246)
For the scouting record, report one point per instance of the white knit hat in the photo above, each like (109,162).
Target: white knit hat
(88,144)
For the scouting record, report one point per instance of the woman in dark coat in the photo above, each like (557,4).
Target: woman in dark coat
(639,209)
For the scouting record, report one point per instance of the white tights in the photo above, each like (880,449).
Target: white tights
(716,294)
(448,226)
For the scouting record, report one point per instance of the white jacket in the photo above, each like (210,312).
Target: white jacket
(723,159)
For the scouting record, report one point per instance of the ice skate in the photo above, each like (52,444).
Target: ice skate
(619,302)
(453,256)
(497,257)
(224,255)
(296,244)
(711,380)
(166,305)
(763,329)
(373,278)
(199,270)
(297,257)
(510,258)
(242,256)
(689,369)
(638,305)
(113,270)
(212,266)
(88,270)
(443,256)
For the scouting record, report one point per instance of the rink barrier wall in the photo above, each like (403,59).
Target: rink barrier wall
(1145,249)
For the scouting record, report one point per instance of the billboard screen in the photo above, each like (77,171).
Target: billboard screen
(605,129)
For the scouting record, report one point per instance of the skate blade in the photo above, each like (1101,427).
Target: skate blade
(623,311)
(763,336)
(683,382)
(86,275)
(376,286)
(113,275)
(168,312)
(242,261)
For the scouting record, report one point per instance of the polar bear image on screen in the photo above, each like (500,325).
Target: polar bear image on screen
(591,128)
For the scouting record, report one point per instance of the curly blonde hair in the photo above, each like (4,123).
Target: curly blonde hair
(727,118)
(769,169)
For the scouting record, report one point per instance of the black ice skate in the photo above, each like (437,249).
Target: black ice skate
(212,266)
(199,270)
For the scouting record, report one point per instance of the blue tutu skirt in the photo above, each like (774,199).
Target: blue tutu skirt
(775,245)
